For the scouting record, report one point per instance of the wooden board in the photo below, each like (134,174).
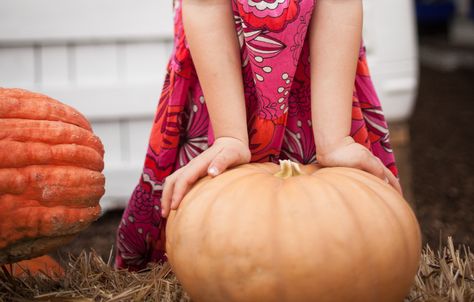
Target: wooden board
(51,21)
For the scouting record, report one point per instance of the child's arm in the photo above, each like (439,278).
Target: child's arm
(210,32)
(212,39)
(335,36)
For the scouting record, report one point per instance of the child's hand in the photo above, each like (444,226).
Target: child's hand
(348,153)
(226,152)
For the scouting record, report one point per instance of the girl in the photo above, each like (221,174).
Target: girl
(255,81)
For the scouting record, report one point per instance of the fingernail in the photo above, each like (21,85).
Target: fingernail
(386,180)
(213,171)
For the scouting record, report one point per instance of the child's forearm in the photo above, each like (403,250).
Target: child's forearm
(335,36)
(210,32)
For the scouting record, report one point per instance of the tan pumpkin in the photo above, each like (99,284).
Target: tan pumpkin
(50,174)
(264,233)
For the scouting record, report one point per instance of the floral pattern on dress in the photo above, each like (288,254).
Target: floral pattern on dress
(271,15)
(274,51)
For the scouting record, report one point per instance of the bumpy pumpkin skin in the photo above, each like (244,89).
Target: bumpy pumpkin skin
(50,174)
(339,235)
(43,265)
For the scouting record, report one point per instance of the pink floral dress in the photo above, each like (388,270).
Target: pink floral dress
(276,71)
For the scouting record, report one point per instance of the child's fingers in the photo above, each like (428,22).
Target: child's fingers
(192,172)
(223,160)
(188,175)
(390,178)
(370,164)
(362,158)
(181,187)
(166,195)
(179,183)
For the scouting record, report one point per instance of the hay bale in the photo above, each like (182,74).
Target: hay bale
(89,278)
(444,275)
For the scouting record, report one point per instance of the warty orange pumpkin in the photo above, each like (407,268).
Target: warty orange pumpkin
(43,265)
(259,232)
(50,174)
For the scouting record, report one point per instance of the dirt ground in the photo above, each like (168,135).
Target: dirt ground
(441,147)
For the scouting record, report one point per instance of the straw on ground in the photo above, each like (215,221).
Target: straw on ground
(444,275)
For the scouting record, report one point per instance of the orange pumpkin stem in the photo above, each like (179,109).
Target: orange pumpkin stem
(288,169)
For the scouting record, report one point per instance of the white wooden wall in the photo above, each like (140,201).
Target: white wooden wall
(107,58)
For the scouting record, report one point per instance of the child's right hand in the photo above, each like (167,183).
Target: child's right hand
(226,152)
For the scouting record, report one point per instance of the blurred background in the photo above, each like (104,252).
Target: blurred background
(107,58)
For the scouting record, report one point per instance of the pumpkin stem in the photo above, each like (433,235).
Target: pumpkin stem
(288,169)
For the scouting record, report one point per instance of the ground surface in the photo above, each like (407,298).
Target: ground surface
(441,148)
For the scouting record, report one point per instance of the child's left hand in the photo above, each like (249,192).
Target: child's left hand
(348,153)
